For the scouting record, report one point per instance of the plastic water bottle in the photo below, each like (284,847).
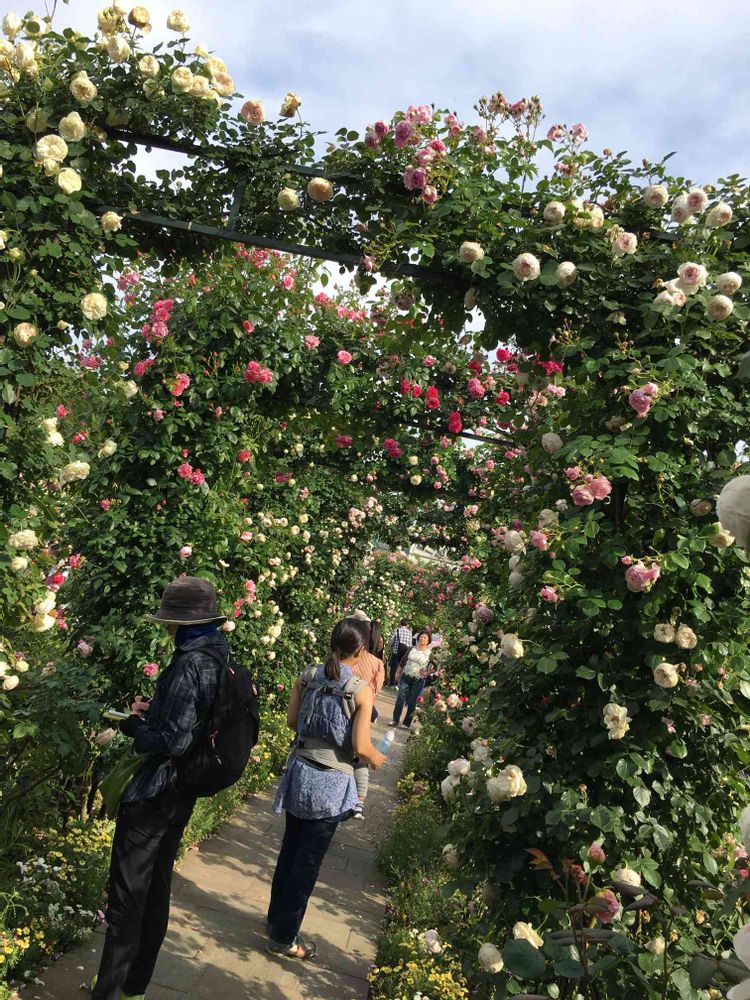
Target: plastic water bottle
(386,742)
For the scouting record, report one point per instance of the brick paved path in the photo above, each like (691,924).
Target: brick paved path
(215,949)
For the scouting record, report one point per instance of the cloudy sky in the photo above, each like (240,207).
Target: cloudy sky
(644,77)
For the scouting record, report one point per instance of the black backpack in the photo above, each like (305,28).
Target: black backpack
(220,750)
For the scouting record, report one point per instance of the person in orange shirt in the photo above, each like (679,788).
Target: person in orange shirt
(371,669)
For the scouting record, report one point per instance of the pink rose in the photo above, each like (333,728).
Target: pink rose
(185,470)
(573,472)
(579,132)
(381,129)
(613,908)
(429,194)
(344,357)
(582,496)
(600,487)
(186,551)
(84,649)
(179,384)
(475,388)
(151,669)
(555,133)
(197,478)
(538,539)
(311,341)
(640,401)
(596,854)
(403,133)
(549,594)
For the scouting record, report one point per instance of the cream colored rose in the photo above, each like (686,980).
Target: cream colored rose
(253,112)
(627,876)
(11,682)
(139,17)
(19,563)
(470,252)
(719,307)
(109,18)
(46,605)
(73,471)
(696,200)
(551,442)
(490,959)
(664,633)
(69,180)
(681,214)
(177,21)
(7,52)
(720,215)
(508,784)
(514,542)
(415,480)
(43,622)
(525,932)
(691,277)
(288,199)
(289,105)
(666,675)
(566,273)
(223,84)
(24,540)
(24,334)
(51,168)
(511,646)
(182,79)
(729,282)
(449,786)
(526,267)
(108,448)
(12,24)
(656,196)
(216,66)
(71,127)
(451,857)
(624,244)
(149,66)
(129,388)
(554,212)
(25,56)
(685,638)
(51,147)
(657,946)
(82,88)
(733,509)
(94,306)
(118,49)
(200,86)
(111,222)
(320,189)
(617,720)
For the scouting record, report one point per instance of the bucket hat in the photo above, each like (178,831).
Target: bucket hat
(188,600)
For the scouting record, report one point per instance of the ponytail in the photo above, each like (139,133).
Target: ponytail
(333,666)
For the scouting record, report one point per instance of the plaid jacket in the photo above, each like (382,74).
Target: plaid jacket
(402,636)
(184,693)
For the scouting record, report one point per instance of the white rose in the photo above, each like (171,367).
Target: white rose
(182,79)
(43,622)
(551,442)
(511,645)
(729,282)
(666,675)
(696,200)
(24,334)
(678,295)
(149,66)
(624,243)
(46,605)
(691,277)
(10,682)
(451,857)
(525,932)
(745,827)
(681,214)
(490,958)
(320,189)
(51,168)
(82,88)
(460,765)
(617,720)
(432,942)
(469,252)
(200,86)
(514,542)
(73,471)
(665,298)
(51,147)
(25,56)
(664,633)
(177,21)
(554,212)
(289,105)
(18,563)
(508,784)
(21,666)
(140,17)
(526,267)
(228,626)
(224,85)
(69,180)
(656,196)
(719,307)
(118,49)
(733,509)
(448,786)
(685,638)
(55,439)
(627,877)
(215,66)
(109,18)
(657,946)
(566,273)
(25,539)
(94,306)
(108,448)
(111,222)
(129,388)
(288,199)
(12,24)
(720,215)
(71,127)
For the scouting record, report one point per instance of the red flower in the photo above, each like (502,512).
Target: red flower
(247,326)
(244,455)
(455,424)
(432,398)
(343,440)
(502,398)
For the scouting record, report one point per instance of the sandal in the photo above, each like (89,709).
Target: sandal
(299,948)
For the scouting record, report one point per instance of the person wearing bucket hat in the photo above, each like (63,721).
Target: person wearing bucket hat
(153,810)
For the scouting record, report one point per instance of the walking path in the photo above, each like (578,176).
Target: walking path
(215,947)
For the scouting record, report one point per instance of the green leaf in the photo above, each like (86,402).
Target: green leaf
(524,960)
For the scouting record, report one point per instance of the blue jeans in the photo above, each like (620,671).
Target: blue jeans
(302,851)
(395,660)
(409,689)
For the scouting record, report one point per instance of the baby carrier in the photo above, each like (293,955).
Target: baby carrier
(324,725)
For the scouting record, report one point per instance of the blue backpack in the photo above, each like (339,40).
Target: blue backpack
(327,708)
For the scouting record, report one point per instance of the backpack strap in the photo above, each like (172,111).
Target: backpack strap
(350,689)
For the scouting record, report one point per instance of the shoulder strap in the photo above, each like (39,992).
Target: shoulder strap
(307,677)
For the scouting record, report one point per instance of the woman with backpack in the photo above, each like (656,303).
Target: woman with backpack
(330,709)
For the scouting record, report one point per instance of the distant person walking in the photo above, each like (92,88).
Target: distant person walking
(370,666)
(401,642)
(330,710)
(414,669)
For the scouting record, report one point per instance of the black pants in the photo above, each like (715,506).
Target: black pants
(147,837)
(395,660)
(302,851)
